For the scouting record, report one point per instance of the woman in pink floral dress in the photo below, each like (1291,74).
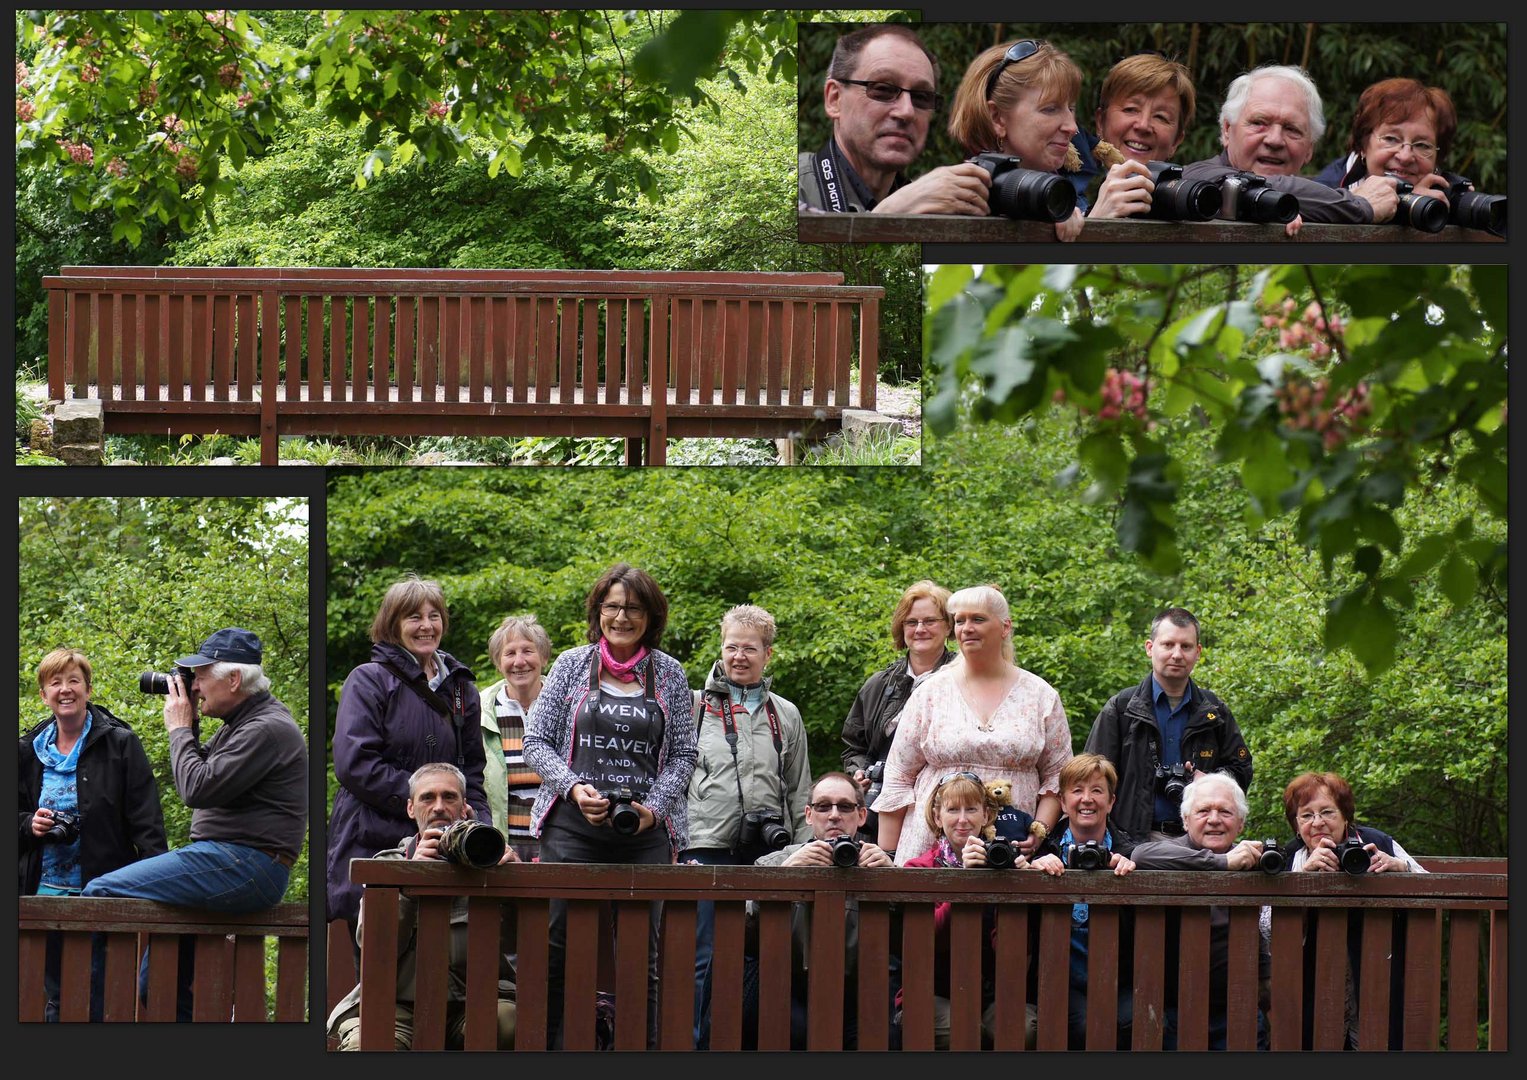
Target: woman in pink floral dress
(982,713)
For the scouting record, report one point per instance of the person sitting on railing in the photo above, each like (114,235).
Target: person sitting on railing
(437,799)
(1214,810)
(612,737)
(520,648)
(1145,105)
(88,803)
(835,812)
(747,795)
(1269,125)
(1087,784)
(1320,808)
(956,813)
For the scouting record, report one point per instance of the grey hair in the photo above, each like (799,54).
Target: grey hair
(986,598)
(525,626)
(1240,90)
(431,767)
(252,678)
(1201,785)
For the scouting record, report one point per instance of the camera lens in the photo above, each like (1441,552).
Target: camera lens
(1473,210)
(1176,199)
(845,851)
(1354,857)
(1421,212)
(153,682)
(1272,860)
(1000,855)
(472,843)
(1027,193)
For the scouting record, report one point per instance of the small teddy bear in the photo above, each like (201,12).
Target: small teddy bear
(1007,821)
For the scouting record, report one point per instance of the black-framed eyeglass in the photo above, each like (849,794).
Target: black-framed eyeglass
(1017,52)
(887,93)
(845,808)
(964,774)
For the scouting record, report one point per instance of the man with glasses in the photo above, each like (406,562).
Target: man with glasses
(881,94)
(835,810)
(1269,125)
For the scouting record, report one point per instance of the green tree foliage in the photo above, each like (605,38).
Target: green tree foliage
(1338,391)
(828,552)
(134,583)
(1468,60)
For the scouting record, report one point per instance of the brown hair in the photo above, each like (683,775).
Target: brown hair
(1394,101)
(960,786)
(1148,74)
(1082,766)
(401,599)
(918,590)
(1048,69)
(845,54)
(59,661)
(849,780)
(639,586)
(1304,787)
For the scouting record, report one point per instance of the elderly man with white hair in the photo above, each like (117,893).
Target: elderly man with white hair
(1214,810)
(1269,125)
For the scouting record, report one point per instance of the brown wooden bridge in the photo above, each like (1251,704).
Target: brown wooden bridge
(643,355)
(1454,923)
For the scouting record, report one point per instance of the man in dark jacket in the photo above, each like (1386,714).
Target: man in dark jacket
(1167,720)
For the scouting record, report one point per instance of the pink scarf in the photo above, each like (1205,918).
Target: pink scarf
(622,670)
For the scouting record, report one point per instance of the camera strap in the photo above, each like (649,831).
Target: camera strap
(454,707)
(712,702)
(830,179)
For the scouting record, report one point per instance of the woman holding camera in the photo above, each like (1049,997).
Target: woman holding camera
(920,627)
(619,692)
(1020,100)
(411,704)
(1402,128)
(747,795)
(520,648)
(88,802)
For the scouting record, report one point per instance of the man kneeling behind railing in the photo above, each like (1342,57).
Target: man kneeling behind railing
(436,800)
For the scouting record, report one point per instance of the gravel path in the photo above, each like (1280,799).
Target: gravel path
(904,404)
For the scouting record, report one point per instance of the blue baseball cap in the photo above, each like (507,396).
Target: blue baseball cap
(229,646)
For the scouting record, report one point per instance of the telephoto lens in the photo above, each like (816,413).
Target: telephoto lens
(1028,194)
(1420,212)
(1245,196)
(1176,199)
(1353,856)
(1273,860)
(845,851)
(1472,209)
(472,843)
(157,682)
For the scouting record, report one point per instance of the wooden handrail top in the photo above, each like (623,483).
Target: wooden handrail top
(298,273)
(549,287)
(111,914)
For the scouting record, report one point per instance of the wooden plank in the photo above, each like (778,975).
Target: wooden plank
(129,308)
(407,356)
(31,994)
(74,979)
(474,310)
(774,371)
(1423,974)
(843,355)
(291,981)
(291,326)
(338,350)
(546,344)
(676,981)
(657,381)
(60,332)
(567,349)
(248,979)
(822,354)
(201,345)
(156,343)
(524,323)
(1463,981)
(162,952)
(1286,1015)
(681,359)
(636,331)
(773,976)
(1054,972)
(432,929)
(381,347)
(429,346)
(633,920)
(1373,994)
(83,323)
(588,322)
(869,351)
(726,974)
(483,952)
(315,309)
(1149,1016)
(753,367)
(248,334)
(121,1005)
(360,347)
(825,972)
(222,345)
(614,322)
(180,334)
(733,349)
(531,954)
(379,961)
(799,361)
(108,347)
(1499,963)
(1245,946)
(580,974)
(1012,949)
(917,976)
(501,313)
(965,949)
(212,994)
(450,348)
(270,365)
(874,963)
(710,343)
(1103,977)
(1330,989)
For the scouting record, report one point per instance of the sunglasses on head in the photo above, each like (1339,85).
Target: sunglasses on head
(1018,52)
(965,774)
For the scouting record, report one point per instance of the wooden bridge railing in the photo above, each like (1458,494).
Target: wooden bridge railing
(1455,928)
(645,355)
(229,981)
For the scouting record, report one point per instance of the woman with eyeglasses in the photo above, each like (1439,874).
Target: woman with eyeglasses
(1020,99)
(982,713)
(748,793)
(612,737)
(1320,808)
(1403,129)
(919,627)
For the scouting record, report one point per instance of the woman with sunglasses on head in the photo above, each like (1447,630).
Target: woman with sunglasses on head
(985,714)
(1020,100)
(612,737)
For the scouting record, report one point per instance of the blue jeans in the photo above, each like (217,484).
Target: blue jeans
(210,874)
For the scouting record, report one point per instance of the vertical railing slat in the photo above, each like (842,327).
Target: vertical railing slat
(726,975)
(1245,947)
(965,951)
(824,988)
(1373,993)
(432,954)
(1054,962)
(1102,976)
(1423,976)
(869,351)
(1012,956)
(249,979)
(248,338)
(580,974)
(484,949)
(531,956)
(633,920)
(1330,991)
(774,963)
(1148,1013)
(917,959)
(1463,981)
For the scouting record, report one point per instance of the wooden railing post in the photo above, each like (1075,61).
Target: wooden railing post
(270,374)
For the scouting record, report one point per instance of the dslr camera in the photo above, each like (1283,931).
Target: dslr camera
(1026,194)
(624,817)
(1245,196)
(1001,854)
(1471,209)
(1176,199)
(472,843)
(1089,855)
(876,774)
(65,829)
(1419,211)
(1172,780)
(845,850)
(763,828)
(1353,856)
(1273,860)
(158,682)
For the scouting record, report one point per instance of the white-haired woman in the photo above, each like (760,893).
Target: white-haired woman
(520,649)
(982,713)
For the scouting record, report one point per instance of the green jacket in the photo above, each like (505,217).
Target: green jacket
(495,777)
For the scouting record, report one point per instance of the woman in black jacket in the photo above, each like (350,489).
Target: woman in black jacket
(88,803)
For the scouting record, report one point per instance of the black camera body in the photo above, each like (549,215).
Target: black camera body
(472,843)
(1176,199)
(845,850)
(1274,860)
(1420,212)
(1245,196)
(1001,854)
(624,817)
(763,828)
(1172,780)
(158,682)
(876,775)
(64,830)
(1470,209)
(1353,856)
(1088,855)
(1026,194)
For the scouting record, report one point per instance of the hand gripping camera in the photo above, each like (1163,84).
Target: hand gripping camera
(1176,199)
(1353,856)
(1089,855)
(1471,209)
(1001,854)
(1026,194)
(845,851)
(1420,212)
(763,828)
(1273,859)
(624,817)
(1245,196)
(65,829)
(472,843)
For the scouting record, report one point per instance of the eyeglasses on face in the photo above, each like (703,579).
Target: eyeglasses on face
(1018,52)
(962,774)
(828,807)
(1328,815)
(633,611)
(887,93)
(917,624)
(1421,148)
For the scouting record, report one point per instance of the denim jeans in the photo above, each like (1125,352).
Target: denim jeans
(210,874)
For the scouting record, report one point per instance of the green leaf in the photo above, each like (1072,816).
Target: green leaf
(236,149)
(946,282)
(1459,580)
